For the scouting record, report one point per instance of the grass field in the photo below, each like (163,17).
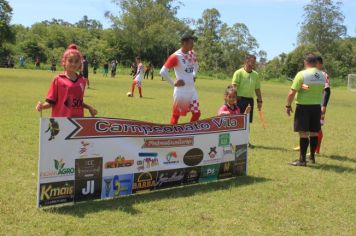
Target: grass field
(275,199)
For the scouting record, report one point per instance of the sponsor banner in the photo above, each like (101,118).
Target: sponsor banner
(108,158)
(56,193)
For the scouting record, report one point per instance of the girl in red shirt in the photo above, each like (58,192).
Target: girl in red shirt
(230,107)
(66,92)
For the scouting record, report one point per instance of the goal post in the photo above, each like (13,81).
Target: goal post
(351,82)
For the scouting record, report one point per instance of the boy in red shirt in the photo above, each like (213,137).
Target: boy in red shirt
(66,92)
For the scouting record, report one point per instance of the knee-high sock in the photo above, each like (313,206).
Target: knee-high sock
(320,138)
(174,119)
(313,143)
(303,143)
(140,91)
(195,116)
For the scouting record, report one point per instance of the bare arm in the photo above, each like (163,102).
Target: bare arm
(43,106)
(259,99)
(92,110)
(290,99)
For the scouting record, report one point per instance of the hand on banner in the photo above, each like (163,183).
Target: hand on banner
(93,111)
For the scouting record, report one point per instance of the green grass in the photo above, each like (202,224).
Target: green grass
(274,199)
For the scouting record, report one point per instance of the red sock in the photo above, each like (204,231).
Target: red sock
(140,91)
(174,119)
(195,116)
(320,137)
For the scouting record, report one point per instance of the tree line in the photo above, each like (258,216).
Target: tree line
(151,29)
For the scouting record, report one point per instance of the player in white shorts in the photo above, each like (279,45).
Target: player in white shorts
(137,81)
(184,63)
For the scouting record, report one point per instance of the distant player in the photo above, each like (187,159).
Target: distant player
(66,92)
(184,63)
(138,77)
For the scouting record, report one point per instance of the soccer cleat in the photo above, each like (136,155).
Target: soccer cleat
(296,148)
(298,163)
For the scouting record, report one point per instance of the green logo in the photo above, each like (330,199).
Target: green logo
(224,140)
(59,165)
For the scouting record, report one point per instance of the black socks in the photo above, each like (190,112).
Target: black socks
(304,143)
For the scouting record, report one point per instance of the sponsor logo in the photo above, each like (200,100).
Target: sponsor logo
(240,151)
(116,186)
(171,158)
(87,150)
(88,189)
(55,193)
(209,173)
(53,129)
(191,175)
(147,160)
(144,181)
(193,157)
(212,152)
(88,168)
(60,170)
(119,161)
(168,142)
(224,140)
(227,170)
(169,178)
(213,158)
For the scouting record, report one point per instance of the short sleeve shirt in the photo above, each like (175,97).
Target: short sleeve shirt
(315,80)
(66,96)
(246,83)
(184,68)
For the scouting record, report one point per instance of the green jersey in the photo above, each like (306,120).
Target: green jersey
(312,93)
(246,83)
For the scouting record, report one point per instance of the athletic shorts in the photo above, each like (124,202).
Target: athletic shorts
(184,102)
(307,118)
(242,103)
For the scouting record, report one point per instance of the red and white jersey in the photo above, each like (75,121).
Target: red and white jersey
(327,80)
(140,72)
(66,96)
(185,67)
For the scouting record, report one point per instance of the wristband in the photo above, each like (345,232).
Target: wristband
(259,101)
(288,106)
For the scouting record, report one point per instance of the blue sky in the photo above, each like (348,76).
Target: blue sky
(274,23)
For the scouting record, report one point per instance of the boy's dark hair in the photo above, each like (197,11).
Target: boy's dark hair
(310,58)
(249,56)
(138,58)
(319,59)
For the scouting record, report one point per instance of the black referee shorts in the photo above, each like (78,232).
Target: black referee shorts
(242,103)
(307,118)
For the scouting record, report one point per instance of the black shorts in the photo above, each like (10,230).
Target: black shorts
(242,103)
(307,118)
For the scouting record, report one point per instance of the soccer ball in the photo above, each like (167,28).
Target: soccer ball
(129,94)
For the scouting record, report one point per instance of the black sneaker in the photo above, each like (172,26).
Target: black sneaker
(298,163)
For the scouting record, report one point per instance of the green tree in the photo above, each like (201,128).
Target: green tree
(6,34)
(208,46)
(322,25)
(146,27)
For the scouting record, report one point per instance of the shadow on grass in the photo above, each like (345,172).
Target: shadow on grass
(335,168)
(271,148)
(126,204)
(339,158)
